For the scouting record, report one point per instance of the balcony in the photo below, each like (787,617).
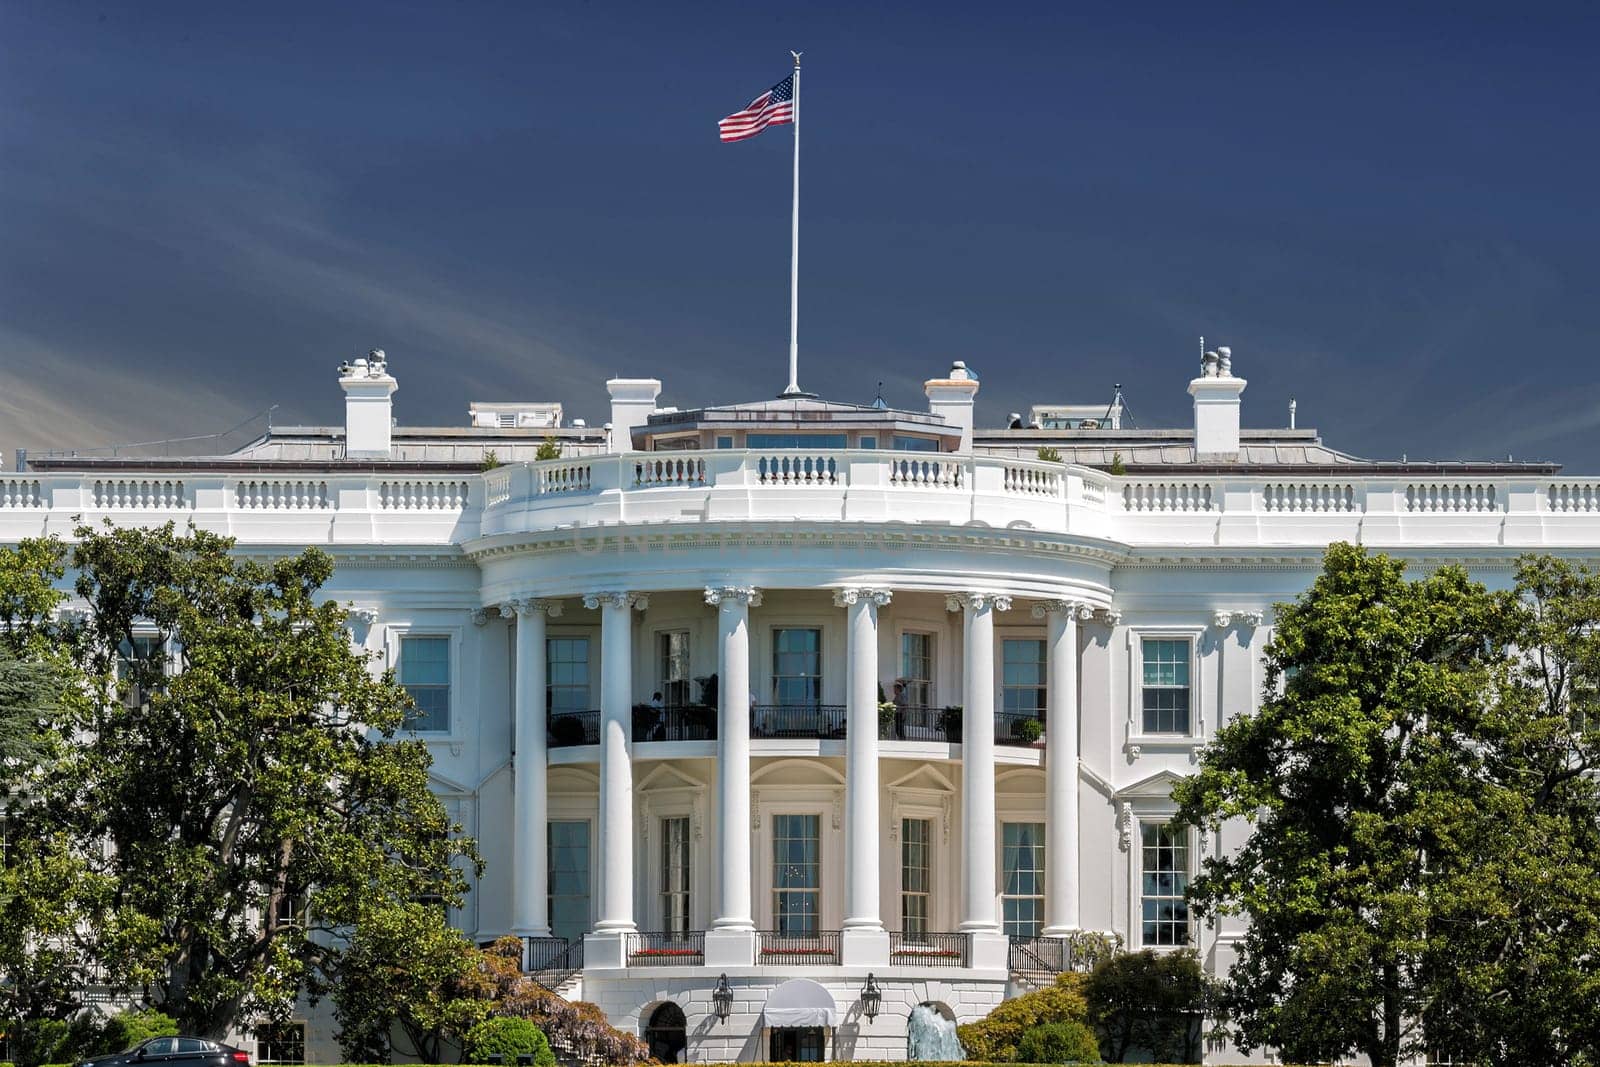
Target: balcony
(928,949)
(818,949)
(915,723)
(1019,729)
(661,949)
(692,722)
(814,721)
(568,729)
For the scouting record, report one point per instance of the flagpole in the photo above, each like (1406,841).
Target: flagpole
(794,252)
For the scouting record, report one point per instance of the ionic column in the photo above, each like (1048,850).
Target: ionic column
(731,940)
(977,759)
(862,884)
(1061,882)
(530,870)
(616,758)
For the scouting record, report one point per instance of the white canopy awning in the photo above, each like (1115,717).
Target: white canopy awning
(799,1002)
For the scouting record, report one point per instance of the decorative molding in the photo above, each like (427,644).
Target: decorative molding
(480,616)
(838,809)
(843,598)
(748,595)
(1125,826)
(755,809)
(528,605)
(1134,752)
(617,599)
(1109,616)
(1076,609)
(977,601)
(1224,619)
(364,616)
(946,804)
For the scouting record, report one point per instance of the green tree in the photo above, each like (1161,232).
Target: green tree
(30,696)
(1065,1042)
(1150,1001)
(1349,774)
(508,1038)
(248,771)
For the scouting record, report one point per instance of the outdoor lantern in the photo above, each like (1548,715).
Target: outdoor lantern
(871,998)
(722,999)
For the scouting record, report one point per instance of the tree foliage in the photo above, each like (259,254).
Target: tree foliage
(1148,1001)
(1420,871)
(996,1036)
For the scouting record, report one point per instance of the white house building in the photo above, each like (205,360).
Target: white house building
(653,672)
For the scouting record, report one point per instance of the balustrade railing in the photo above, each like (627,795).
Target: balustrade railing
(819,721)
(142,494)
(1017,728)
(666,949)
(820,948)
(418,494)
(928,949)
(281,494)
(568,729)
(21,493)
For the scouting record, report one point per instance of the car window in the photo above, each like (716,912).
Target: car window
(191,1044)
(161,1046)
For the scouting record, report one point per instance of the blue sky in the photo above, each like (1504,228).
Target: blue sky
(1389,213)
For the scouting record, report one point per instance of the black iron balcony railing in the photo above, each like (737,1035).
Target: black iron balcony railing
(692,722)
(1041,955)
(551,960)
(569,728)
(818,949)
(928,949)
(913,722)
(797,720)
(1019,728)
(662,949)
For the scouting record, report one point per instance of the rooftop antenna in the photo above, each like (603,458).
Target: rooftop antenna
(1291,412)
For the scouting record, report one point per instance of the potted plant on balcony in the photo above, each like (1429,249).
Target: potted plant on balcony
(886,717)
(950,723)
(1028,731)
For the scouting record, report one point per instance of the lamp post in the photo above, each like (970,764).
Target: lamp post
(871,998)
(722,999)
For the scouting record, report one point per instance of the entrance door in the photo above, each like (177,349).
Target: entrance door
(797,1044)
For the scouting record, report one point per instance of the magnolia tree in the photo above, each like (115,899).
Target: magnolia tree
(1421,873)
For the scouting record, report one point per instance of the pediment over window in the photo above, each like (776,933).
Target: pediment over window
(1156,787)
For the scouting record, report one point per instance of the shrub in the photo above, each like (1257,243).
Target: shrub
(1149,1001)
(126,1029)
(1049,454)
(508,1038)
(550,449)
(1069,1042)
(1117,467)
(995,1037)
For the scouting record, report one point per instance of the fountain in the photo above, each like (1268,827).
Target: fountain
(930,1036)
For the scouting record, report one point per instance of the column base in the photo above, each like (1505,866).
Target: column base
(730,948)
(864,947)
(605,950)
(990,950)
(1059,931)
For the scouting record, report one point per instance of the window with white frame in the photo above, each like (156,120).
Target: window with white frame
(1022,676)
(672,656)
(1022,866)
(1164,879)
(567,674)
(796,874)
(916,669)
(916,863)
(282,1043)
(675,875)
(797,666)
(568,862)
(425,674)
(1165,690)
(141,662)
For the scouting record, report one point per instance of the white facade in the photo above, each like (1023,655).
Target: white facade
(786,827)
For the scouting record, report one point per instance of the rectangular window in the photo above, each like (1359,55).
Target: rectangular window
(1023,676)
(916,844)
(916,670)
(797,667)
(567,673)
(1166,685)
(795,440)
(1022,864)
(869,440)
(569,878)
(425,674)
(725,441)
(140,665)
(796,874)
(672,653)
(675,875)
(283,1043)
(915,444)
(1165,869)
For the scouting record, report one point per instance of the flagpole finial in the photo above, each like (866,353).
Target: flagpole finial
(797,56)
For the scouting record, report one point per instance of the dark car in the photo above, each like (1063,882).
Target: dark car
(176,1051)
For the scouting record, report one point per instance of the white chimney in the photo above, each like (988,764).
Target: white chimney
(1216,407)
(368,411)
(632,401)
(951,397)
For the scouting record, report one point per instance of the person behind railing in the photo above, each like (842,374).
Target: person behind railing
(900,708)
(658,712)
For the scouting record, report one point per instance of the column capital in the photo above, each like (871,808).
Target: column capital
(748,595)
(529,605)
(1109,616)
(1075,609)
(843,598)
(480,616)
(616,599)
(1224,619)
(977,601)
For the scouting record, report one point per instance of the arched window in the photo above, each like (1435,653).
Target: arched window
(667,1033)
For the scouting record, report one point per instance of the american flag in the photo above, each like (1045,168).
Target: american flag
(772,108)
